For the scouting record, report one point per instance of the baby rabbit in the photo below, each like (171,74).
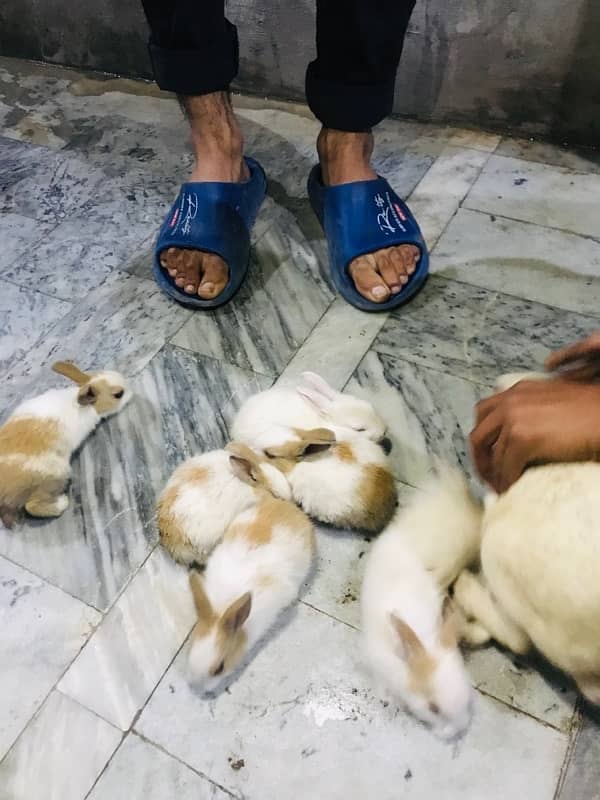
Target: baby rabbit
(39,438)
(409,631)
(207,492)
(270,418)
(540,559)
(250,578)
(341,479)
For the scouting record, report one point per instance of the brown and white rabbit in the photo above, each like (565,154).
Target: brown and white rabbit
(270,419)
(250,578)
(342,479)
(207,492)
(540,562)
(39,438)
(409,630)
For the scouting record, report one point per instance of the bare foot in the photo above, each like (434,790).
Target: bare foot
(345,158)
(218,146)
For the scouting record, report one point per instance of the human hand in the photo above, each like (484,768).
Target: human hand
(535,422)
(577,362)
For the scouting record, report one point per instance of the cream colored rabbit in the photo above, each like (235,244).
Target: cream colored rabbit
(540,559)
(39,438)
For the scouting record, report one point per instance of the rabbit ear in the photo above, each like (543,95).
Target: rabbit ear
(237,613)
(412,647)
(320,384)
(450,624)
(315,398)
(312,440)
(203,607)
(72,372)
(245,470)
(87,395)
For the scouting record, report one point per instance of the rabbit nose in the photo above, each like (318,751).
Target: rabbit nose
(386,445)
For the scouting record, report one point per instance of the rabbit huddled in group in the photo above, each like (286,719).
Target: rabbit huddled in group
(410,629)
(331,448)
(540,562)
(39,438)
(271,418)
(255,572)
(207,492)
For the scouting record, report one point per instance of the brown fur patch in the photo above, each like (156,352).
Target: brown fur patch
(420,664)
(28,436)
(315,437)
(269,513)
(345,453)
(378,497)
(172,533)
(105,400)
(70,371)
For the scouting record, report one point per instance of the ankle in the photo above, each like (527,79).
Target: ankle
(344,156)
(217,138)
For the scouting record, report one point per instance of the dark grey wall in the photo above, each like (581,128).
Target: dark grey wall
(528,65)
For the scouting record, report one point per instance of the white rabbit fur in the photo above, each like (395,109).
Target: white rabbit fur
(207,492)
(346,482)
(40,436)
(269,419)
(409,631)
(442,525)
(250,578)
(540,560)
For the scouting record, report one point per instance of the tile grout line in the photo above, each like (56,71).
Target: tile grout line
(576,726)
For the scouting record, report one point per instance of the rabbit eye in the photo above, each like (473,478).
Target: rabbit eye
(219,669)
(119,394)
(360,430)
(434,708)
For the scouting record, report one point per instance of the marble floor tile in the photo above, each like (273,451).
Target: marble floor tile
(121,325)
(428,413)
(19,235)
(281,301)
(581,781)
(140,771)
(531,150)
(336,344)
(305,701)
(476,333)
(341,556)
(439,194)
(532,687)
(25,316)
(543,264)
(123,661)
(182,405)
(60,755)
(42,631)
(539,193)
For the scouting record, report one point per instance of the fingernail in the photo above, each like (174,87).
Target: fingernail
(379,291)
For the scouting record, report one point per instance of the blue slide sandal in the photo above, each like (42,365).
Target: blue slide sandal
(216,218)
(359,218)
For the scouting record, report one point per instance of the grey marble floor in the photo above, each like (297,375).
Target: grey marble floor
(94,617)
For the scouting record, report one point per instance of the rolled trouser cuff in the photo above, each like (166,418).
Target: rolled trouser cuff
(348,107)
(204,70)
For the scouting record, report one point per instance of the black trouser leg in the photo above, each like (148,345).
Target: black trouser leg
(350,85)
(193,47)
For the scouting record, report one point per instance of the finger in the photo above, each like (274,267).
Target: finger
(509,460)
(583,373)
(574,352)
(482,440)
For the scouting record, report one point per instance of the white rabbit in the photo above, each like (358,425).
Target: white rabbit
(341,479)
(250,578)
(207,492)
(540,559)
(269,419)
(409,632)
(442,525)
(39,438)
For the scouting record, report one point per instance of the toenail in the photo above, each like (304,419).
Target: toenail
(189,288)
(379,291)
(207,287)
(173,273)
(395,289)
